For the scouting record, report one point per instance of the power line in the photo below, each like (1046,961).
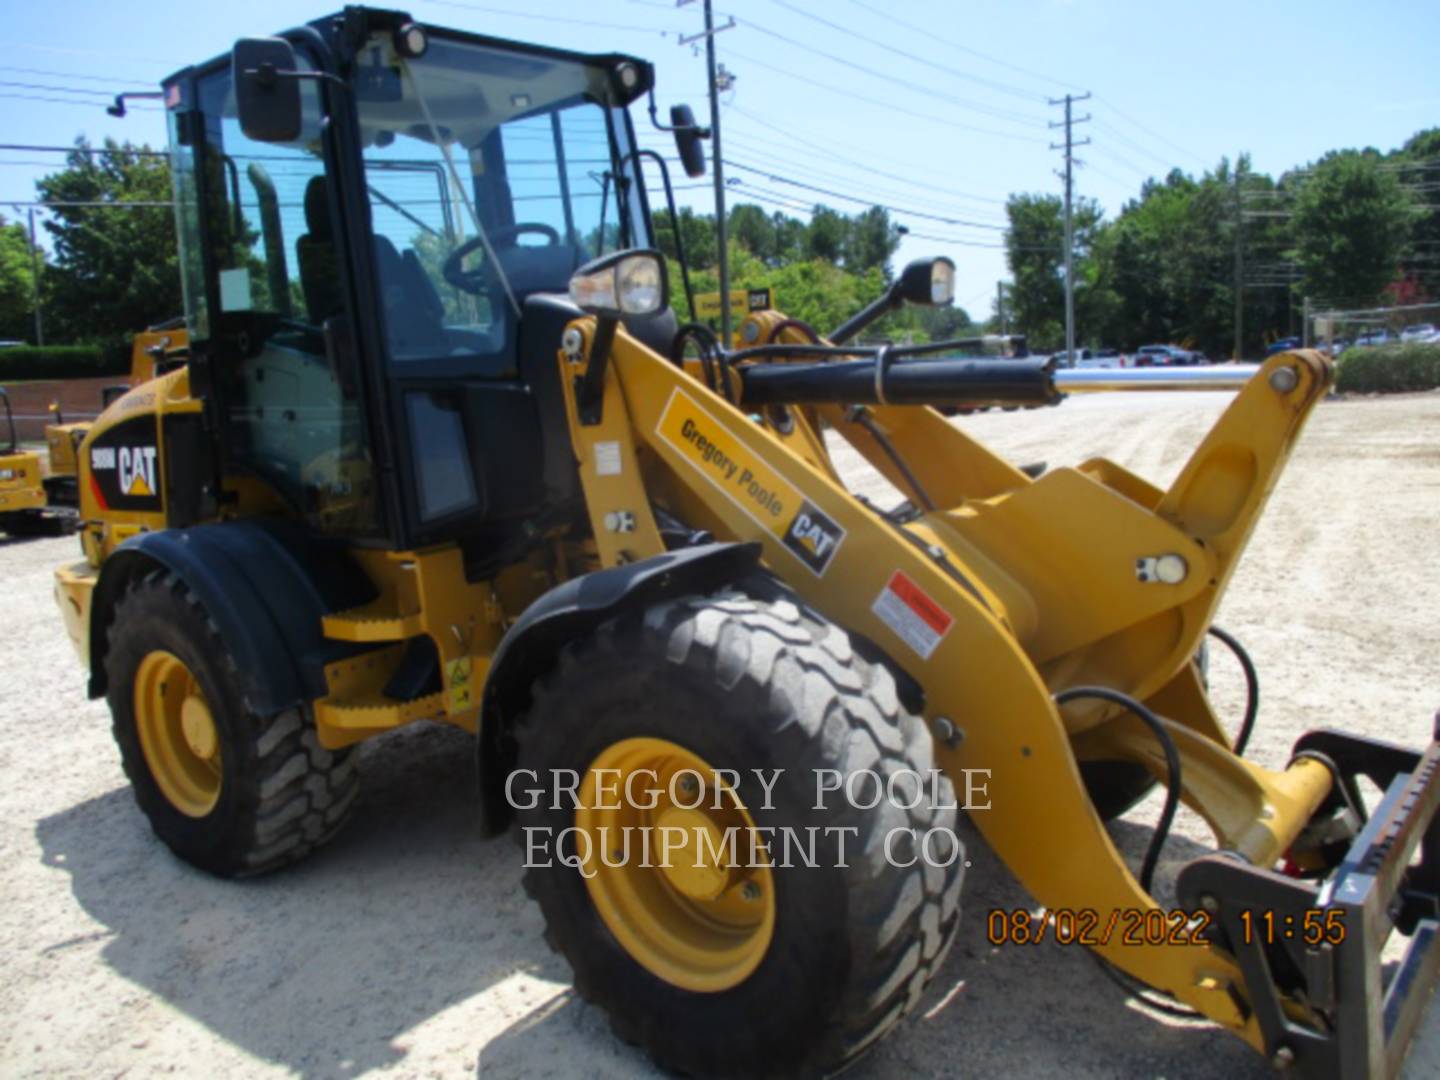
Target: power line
(1122,160)
(928,33)
(864,201)
(942,68)
(67,101)
(775,198)
(1103,126)
(487,10)
(889,107)
(107,94)
(742,144)
(845,62)
(75,75)
(1148,131)
(867,166)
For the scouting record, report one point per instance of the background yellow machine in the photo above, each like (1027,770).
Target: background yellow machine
(441,452)
(22,493)
(152,353)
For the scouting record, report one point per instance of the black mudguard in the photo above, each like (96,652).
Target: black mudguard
(265,585)
(572,610)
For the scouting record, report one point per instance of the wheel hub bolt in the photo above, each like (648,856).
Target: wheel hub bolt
(689,785)
(750,891)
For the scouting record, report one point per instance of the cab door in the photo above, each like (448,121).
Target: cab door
(268,303)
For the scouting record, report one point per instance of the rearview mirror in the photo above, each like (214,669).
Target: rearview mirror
(687,140)
(267,95)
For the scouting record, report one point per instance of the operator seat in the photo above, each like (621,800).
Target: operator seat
(414,312)
(315,252)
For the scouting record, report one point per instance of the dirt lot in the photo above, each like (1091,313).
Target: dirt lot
(408,945)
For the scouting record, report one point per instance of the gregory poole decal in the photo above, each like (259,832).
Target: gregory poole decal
(807,532)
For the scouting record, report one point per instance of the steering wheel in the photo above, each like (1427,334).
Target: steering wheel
(477,281)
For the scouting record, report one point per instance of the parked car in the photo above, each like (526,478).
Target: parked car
(1098,362)
(11,344)
(1064,361)
(1374,337)
(1165,356)
(1284,344)
(1419,332)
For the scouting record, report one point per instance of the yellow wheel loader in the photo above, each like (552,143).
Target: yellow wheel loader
(26,507)
(152,353)
(441,452)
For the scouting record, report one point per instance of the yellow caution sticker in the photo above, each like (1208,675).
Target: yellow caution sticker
(457,677)
(766,497)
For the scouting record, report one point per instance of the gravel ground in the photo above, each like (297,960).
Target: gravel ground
(408,944)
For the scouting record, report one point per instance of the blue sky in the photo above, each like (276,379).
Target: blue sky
(943,117)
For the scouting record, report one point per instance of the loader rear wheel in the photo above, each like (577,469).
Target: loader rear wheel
(793,963)
(229,791)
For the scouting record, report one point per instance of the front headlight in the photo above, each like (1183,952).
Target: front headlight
(7,474)
(626,284)
(926,282)
(942,282)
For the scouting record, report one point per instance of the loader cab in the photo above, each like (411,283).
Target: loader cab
(378,223)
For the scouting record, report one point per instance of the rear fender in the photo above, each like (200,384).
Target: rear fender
(266,588)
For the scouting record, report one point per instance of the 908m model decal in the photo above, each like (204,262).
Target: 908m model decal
(125,466)
(805,530)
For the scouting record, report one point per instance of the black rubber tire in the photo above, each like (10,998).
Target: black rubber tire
(282,794)
(750,683)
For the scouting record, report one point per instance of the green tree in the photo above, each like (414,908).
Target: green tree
(754,230)
(1352,224)
(115,266)
(1417,166)
(697,232)
(825,239)
(872,239)
(17,307)
(1035,252)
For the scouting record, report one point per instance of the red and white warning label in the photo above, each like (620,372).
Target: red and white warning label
(908,610)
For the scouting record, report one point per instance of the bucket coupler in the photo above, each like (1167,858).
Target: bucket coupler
(945,381)
(1310,950)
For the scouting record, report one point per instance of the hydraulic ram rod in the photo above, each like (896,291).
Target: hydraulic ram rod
(1103,380)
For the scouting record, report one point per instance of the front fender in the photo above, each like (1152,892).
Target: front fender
(572,610)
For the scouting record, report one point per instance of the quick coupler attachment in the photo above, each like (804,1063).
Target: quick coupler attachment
(1308,941)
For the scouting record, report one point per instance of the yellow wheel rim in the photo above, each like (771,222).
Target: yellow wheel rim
(684,884)
(177,733)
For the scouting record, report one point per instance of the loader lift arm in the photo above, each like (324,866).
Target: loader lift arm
(1029,587)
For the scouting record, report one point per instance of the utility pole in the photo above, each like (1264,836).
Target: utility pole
(1000,307)
(1239,265)
(1069,176)
(713,80)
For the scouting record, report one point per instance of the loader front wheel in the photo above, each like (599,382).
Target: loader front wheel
(776,929)
(232,792)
